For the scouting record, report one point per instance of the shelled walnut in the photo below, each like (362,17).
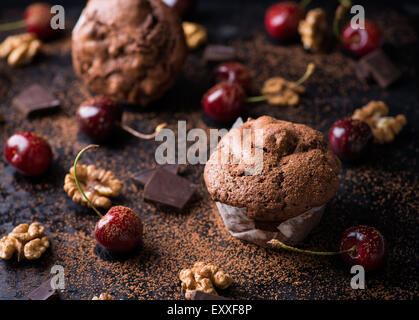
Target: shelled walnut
(195,34)
(313,30)
(20,49)
(284,93)
(204,277)
(384,128)
(104,296)
(97,184)
(28,241)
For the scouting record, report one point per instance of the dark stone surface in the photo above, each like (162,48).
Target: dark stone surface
(382,191)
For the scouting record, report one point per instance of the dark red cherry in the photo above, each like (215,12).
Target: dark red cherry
(38,20)
(282,19)
(233,72)
(369,244)
(183,7)
(360,42)
(28,152)
(350,138)
(224,102)
(120,230)
(99,117)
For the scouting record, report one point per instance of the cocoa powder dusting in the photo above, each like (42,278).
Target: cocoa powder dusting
(381,191)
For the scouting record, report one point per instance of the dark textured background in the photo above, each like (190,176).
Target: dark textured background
(382,191)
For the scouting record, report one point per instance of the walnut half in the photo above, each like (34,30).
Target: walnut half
(97,184)
(28,241)
(20,49)
(284,93)
(103,296)
(204,277)
(384,128)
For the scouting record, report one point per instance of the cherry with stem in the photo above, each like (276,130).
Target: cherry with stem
(100,117)
(226,101)
(360,245)
(120,230)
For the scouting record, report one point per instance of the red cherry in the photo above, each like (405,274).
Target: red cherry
(359,42)
(233,72)
(99,117)
(183,7)
(38,20)
(224,102)
(350,138)
(120,230)
(28,152)
(370,247)
(282,19)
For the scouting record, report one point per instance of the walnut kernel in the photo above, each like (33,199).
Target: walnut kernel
(97,184)
(28,241)
(204,277)
(284,93)
(20,49)
(104,296)
(313,30)
(195,34)
(384,128)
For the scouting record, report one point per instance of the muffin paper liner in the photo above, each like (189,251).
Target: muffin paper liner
(291,231)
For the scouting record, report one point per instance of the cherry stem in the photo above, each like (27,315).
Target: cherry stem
(340,12)
(304,3)
(13,25)
(143,135)
(92,146)
(280,245)
(309,71)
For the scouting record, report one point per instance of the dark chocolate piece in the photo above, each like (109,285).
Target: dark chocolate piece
(142,177)
(43,292)
(199,295)
(169,189)
(378,66)
(218,53)
(35,99)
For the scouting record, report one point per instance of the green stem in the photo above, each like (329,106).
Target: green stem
(304,3)
(92,146)
(278,244)
(309,71)
(340,12)
(144,135)
(13,25)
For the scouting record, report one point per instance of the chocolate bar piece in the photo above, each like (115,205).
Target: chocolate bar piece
(35,99)
(43,292)
(378,66)
(169,189)
(218,53)
(142,177)
(199,295)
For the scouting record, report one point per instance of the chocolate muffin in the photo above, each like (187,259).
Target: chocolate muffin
(299,172)
(130,50)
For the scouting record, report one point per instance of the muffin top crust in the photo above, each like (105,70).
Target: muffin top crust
(299,171)
(130,50)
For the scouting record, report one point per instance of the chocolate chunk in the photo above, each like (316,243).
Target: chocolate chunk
(218,53)
(142,177)
(199,295)
(378,66)
(169,189)
(35,99)
(43,292)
